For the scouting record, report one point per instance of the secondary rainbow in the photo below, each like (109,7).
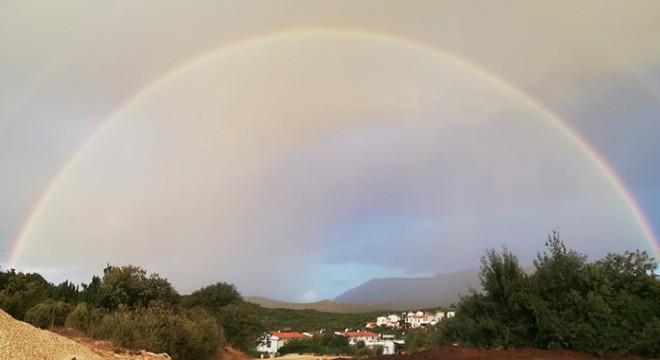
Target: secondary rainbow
(258,40)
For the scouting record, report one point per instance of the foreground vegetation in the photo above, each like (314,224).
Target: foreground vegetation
(608,306)
(137,311)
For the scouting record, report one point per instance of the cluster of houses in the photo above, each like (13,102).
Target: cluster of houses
(410,319)
(273,341)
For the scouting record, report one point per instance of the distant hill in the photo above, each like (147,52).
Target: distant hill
(389,294)
(324,306)
(419,292)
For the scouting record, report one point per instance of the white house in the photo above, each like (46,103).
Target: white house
(381,321)
(419,319)
(389,347)
(437,317)
(356,336)
(388,321)
(393,320)
(273,341)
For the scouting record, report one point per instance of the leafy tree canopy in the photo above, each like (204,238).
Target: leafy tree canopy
(609,306)
(214,297)
(130,286)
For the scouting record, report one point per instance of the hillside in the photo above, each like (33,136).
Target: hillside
(323,306)
(419,292)
(389,294)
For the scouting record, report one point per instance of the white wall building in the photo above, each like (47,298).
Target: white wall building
(391,320)
(356,336)
(273,341)
(419,319)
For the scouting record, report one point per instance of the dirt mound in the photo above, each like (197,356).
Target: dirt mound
(233,354)
(19,340)
(464,353)
(22,341)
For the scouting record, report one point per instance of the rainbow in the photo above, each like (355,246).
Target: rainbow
(263,39)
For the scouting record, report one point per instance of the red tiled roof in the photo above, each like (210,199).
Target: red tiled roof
(287,335)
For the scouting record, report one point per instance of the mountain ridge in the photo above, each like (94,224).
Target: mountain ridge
(439,290)
(389,294)
(329,306)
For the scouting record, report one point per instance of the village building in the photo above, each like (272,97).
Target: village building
(411,319)
(392,320)
(419,319)
(356,336)
(273,341)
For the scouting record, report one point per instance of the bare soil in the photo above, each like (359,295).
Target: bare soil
(464,353)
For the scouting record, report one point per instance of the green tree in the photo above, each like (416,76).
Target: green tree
(130,286)
(558,288)
(92,293)
(498,316)
(79,318)
(48,314)
(214,297)
(609,306)
(242,323)
(65,291)
(22,291)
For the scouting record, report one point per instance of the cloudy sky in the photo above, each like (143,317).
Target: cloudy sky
(300,148)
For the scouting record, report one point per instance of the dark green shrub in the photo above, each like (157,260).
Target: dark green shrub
(79,318)
(48,314)
(190,334)
(119,327)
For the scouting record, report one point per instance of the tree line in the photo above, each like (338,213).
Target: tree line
(135,310)
(329,344)
(609,306)
(606,307)
(314,320)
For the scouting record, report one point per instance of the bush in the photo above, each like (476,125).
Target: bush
(428,337)
(48,314)
(300,346)
(646,341)
(119,328)
(190,334)
(79,318)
